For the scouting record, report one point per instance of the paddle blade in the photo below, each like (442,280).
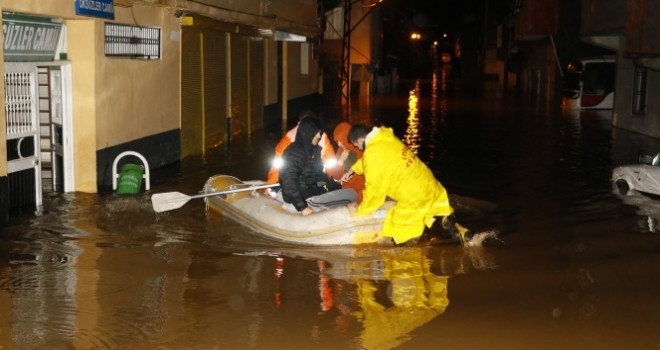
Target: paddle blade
(168,201)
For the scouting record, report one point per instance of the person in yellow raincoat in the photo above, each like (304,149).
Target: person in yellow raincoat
(392,170)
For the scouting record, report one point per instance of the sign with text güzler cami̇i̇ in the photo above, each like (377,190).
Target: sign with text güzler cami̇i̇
(96,8)
(30,38)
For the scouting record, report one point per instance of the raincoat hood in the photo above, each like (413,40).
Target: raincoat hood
(341,132)
(341,135)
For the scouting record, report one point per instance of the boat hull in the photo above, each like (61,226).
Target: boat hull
(264,215)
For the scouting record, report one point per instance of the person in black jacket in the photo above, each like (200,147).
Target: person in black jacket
(304,184)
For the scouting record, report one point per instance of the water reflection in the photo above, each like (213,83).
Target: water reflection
(389,292)
(43,280)
(408,297)
(412,137)
(438,111)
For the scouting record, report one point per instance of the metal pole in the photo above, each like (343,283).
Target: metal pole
(345,73)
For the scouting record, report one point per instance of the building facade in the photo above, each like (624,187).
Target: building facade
(631,28)
(88,80)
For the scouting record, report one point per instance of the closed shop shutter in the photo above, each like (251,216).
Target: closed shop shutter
(203,90)
(257,84)
(239,84)
(215,88)
(191,80)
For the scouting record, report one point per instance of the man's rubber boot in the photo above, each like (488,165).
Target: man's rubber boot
(459,232)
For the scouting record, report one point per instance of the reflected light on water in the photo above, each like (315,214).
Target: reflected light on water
(434,96)
(412,138)
(279,271)
(436,118)
(443,80)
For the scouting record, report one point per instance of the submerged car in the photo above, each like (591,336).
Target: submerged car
(643,177)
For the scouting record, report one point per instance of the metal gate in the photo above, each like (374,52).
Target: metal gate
(23,155)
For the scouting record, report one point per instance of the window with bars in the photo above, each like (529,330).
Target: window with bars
(131,41)
(639,91)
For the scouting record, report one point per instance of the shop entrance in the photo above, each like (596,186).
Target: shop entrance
(39,139)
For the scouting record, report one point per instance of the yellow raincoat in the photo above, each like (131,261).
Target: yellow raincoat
(392,170)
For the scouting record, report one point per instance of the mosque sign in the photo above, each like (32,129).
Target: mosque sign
(96,8)
(30,38)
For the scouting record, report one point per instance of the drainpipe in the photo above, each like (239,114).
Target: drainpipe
(284,87)
(229,132)
(201,65)
(249,95)
(554,50)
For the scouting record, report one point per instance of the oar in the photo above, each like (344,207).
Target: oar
(175,200)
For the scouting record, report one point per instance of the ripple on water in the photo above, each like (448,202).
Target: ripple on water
(490,236)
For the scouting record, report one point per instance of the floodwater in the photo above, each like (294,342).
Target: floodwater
(567,263)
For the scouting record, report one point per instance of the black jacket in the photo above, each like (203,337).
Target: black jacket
(301,175)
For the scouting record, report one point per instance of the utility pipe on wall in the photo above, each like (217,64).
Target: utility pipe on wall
(202,100)
(229,133)
(285,86)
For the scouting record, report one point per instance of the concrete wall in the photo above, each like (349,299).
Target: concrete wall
(301,84)
(301,87)
(292,10)
(299,11)
(623,117)
(360,36)
(603,16)
(270,72)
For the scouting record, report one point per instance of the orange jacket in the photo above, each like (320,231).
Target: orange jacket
(327,154)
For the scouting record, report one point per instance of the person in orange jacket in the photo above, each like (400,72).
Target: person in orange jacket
(347,155)
(327,152)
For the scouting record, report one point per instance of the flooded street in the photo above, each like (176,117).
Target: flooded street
(573,266)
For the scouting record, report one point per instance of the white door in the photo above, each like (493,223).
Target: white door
(55,118)
(21,110)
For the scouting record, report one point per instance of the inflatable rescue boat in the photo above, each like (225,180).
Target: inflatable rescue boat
(244,202)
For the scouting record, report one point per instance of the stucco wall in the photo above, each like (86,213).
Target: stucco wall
(54,8)
(3,120)
(137,98)
(115,100)
(82,53)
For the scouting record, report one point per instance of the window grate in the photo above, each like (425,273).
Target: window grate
(132,41)
(20,104)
